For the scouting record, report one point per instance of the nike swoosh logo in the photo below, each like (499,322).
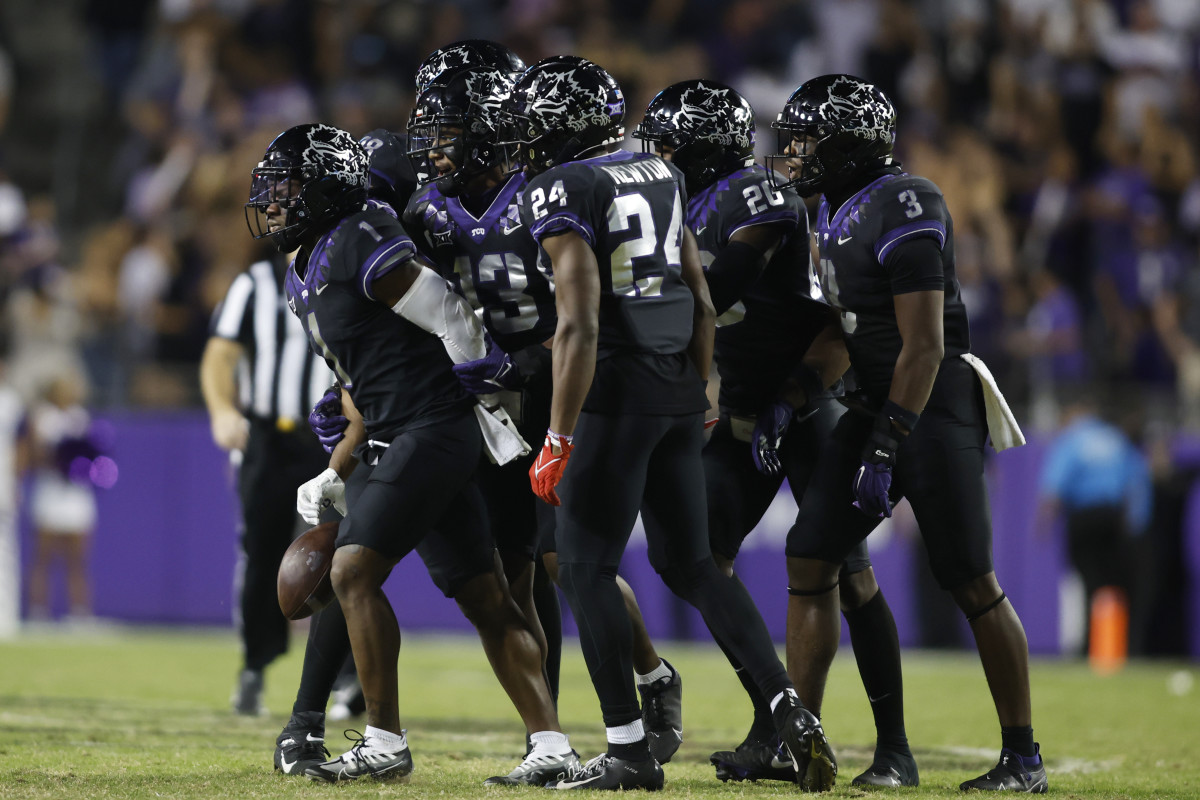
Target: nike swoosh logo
(843,240)
(537,471)
(507,231)
(778,763)
(573,784)
(701,230)
(287,765)
(312,738)
(883,696)
(322,287)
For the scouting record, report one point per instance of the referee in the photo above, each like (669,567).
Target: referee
(259,380)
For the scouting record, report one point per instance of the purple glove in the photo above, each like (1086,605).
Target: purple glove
(874,477)
(767,439)
(326,419)
(493,372)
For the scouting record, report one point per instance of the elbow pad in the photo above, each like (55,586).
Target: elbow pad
(432,305)
(732,272)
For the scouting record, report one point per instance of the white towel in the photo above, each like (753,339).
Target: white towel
(1002,425)
(500,434)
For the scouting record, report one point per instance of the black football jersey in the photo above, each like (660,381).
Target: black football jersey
(857,278)
(492,261)
(398,375)
(629,207)
(763,337)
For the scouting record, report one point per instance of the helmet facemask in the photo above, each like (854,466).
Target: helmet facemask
(454,128)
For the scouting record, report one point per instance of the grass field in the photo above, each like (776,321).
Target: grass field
(143,714)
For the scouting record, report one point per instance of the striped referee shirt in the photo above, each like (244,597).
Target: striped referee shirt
(280,379)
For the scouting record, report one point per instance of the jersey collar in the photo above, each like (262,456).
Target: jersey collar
(491,217)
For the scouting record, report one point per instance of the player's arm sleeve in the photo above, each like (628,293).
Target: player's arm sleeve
(755,220)
(704,314)
(738,265)
(424,298)
(916,266)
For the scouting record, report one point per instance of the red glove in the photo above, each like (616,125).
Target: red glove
(547,470)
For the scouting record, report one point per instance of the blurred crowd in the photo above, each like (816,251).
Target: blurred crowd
(1064,134)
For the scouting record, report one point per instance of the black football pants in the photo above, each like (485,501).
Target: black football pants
(622,465)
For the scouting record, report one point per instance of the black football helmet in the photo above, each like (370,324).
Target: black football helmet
(840,125)
(708,126)
(561,108)
(314,174)
(467,53)
(390,179)
(458,115)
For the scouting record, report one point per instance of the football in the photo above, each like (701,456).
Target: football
(303,586)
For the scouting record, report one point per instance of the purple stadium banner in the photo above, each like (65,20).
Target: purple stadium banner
(166,546)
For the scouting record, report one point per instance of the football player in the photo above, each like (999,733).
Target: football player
(775,412)
(469,219)
(886,245)
(632,348)
(390,328)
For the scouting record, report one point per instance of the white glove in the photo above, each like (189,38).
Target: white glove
(320,493)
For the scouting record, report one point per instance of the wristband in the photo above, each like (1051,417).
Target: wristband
(904,419)
(559,439)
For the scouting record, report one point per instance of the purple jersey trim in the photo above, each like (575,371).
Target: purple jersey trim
(385,258)
(918,229)
(767,218)
(561,222)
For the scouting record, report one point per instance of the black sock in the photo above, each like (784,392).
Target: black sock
(326,652)
(1019,740)
(762,729)
(733,620)
(545,601)
(877,651)
(635,751)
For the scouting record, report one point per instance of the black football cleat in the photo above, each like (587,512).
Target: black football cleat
(1011,774)
(662,714)
(804,739)
(301,744)
(890,769)
(605,772)
(364,760)
(538,770)
(754,761)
